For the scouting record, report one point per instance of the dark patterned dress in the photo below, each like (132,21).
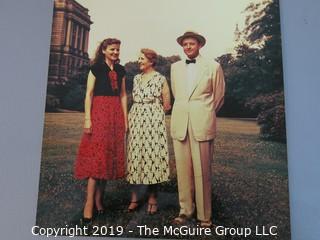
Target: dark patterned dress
(101,153)
(148,159)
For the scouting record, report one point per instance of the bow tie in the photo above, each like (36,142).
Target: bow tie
(190,61)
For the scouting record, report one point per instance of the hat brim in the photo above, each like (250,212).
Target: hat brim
(198,37)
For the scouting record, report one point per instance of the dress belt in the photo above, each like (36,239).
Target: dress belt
(149,102)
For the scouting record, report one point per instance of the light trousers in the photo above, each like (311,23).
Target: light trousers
(193,164)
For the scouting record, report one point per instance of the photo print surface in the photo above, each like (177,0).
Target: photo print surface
(182,134)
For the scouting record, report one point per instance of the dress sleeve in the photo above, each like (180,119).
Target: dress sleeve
(158,83)
(135,79)
(93,69)
(122,71)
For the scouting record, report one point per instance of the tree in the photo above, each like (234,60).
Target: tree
(69,95)
(271,116)
(75,90)
(254,72)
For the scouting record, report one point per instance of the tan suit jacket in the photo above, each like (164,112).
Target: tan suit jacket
(199,106)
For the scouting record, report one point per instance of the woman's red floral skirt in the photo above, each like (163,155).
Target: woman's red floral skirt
(101,154)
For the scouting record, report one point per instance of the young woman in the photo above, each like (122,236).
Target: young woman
(148,159)
(101,151)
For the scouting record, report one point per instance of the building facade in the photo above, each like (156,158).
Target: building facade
(69,41)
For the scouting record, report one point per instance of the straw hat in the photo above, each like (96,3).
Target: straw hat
(191,34)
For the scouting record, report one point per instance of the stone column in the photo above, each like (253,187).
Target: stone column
(68,32)
(86,41)
(81,39)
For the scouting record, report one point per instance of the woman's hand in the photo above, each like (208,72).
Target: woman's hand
(87,103)
(87,126)
(166,107)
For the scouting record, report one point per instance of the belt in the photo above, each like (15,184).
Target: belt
(148,102)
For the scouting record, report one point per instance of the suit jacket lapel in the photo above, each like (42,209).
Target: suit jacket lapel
(201,67)
(183,79)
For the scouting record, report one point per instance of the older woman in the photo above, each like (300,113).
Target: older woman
(101,152)
(148,160)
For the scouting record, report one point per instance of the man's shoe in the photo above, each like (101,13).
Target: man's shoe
(181,219)
(206,224)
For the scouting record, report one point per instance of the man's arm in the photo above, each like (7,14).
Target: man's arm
(218,88)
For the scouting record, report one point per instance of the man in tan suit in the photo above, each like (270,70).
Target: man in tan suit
(198,87)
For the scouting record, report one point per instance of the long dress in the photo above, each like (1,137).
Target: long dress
(147,155)
(101,153)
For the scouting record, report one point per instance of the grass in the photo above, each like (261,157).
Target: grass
(249,182)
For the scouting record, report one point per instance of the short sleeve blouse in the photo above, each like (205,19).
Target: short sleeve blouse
(103,83)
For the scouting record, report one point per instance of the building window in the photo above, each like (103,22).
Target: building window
(79,37)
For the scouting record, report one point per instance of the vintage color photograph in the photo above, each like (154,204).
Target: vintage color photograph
(165,119)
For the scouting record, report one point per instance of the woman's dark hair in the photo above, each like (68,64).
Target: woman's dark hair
(150,54)
(99,56)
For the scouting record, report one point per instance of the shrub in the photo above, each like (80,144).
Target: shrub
(52,103)
(271,116)
(74,99)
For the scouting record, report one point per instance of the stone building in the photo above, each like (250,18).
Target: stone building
(69,40)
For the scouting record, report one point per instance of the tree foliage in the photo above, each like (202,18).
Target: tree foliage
(254,73)
(271,116)
(52,103)
(70,95)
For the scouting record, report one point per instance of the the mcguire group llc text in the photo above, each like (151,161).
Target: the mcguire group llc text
(144,230)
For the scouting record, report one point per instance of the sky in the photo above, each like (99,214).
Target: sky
(156,24)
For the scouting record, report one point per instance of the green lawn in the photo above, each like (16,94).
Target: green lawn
(250,185)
